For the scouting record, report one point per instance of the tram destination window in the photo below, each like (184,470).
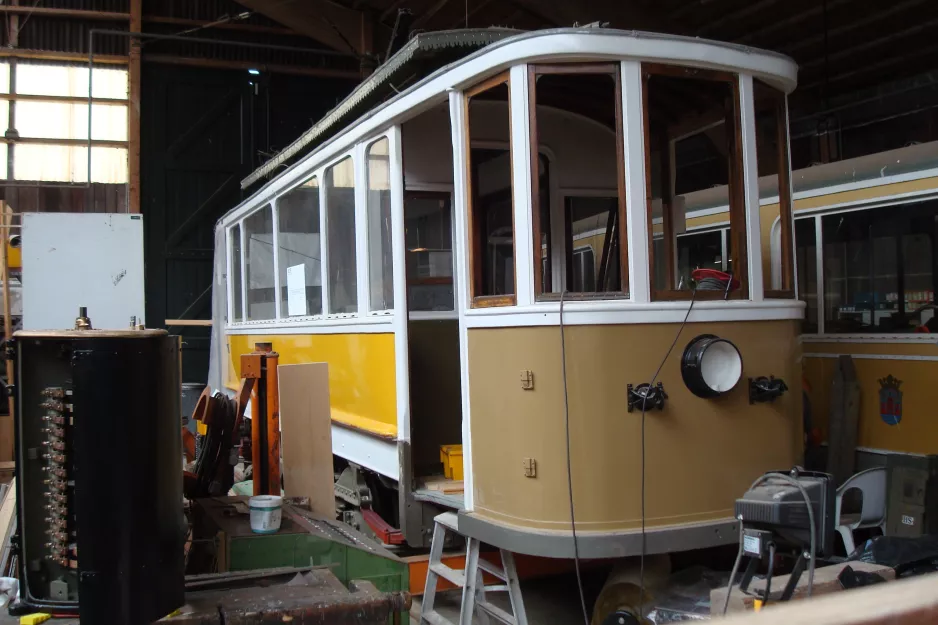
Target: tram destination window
(237,308)
(880,269)
(578,104)
(339,182)
(694,163)
(259,264)
(299,247)
(380,259)
(491,218)
(428,223)
(772,159)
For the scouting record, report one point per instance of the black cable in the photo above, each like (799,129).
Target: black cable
(651,385)
(768,575)
(566,418)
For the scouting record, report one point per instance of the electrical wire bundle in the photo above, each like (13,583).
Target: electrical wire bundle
(713,280)
(649,392)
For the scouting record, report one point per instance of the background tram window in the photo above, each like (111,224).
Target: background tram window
(259,264)
(491,217)
(806,257)
(579,92)
(428,221)
(339,182)
(591,225)
(692,118)
(300,250)
(879,269)
(380,259)
(237,307)
(700,250)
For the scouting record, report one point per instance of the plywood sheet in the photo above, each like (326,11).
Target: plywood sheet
(306,435)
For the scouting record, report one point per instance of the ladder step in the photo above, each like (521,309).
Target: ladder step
(497,612)
(457,578)
(488,567)
(434,618)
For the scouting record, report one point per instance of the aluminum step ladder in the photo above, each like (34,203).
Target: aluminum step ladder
(470,580)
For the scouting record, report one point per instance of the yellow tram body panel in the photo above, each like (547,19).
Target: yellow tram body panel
(699,454)
(362,380)
(873,362)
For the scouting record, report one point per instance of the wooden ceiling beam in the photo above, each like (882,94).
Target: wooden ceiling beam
(336,26)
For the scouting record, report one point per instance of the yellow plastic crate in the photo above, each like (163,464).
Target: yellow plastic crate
(451,457)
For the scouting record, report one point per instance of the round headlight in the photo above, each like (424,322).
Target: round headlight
(711,366)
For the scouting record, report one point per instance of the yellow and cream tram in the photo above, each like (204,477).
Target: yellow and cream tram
(494,257)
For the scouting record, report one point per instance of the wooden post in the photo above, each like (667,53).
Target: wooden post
(6,423)
(133,109)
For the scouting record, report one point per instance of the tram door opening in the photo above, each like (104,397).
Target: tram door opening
(433,323)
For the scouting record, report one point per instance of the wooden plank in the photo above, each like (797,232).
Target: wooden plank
(27,9)
(844,421)
(306,435)
(7,523)
(43,55)
(204,323)
(906,602)
(133,110)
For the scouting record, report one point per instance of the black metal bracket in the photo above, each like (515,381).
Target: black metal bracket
(647,396)
(766,389)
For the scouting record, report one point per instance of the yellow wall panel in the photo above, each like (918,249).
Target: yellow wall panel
(362,382)
(916,432)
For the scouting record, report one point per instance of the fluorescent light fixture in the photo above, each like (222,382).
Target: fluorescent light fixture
(254,72)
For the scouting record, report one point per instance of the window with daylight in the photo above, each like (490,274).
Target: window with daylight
(772,159)
(694,162)
(259,264)
(491,218)
(380,258)
(586,96)
(880,269)
(237,308)
(339,182)
(428,225)
(52,123)
(299,250)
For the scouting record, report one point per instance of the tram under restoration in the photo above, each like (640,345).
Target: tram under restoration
(490,257)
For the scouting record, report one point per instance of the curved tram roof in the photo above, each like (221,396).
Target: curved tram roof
(472,55)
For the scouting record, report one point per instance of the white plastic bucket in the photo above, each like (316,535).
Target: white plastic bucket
(265,513)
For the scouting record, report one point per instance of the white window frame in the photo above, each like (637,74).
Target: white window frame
(366,145)
(317,174)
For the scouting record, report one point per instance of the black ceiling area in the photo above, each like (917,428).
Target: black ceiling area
(868,70)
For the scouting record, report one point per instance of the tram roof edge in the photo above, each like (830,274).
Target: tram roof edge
(428,55)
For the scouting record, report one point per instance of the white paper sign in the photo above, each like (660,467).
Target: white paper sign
(296,291)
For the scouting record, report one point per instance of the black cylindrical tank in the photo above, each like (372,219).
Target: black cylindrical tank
(98,451)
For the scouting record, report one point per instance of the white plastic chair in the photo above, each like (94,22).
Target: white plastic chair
(872,483)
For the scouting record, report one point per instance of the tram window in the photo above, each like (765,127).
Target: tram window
(259,264)
(570,100)
(339,182)
(806,253)
(237,308)
(300,251)
(591,221)
(491,216)
(428,222)
(700,250)
(772,159)
(694,161)
(879,269)
(380,259)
